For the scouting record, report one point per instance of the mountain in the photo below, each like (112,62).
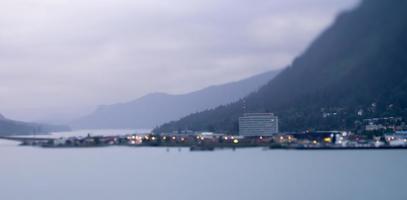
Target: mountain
(357,64)
(12,127)
(154,109)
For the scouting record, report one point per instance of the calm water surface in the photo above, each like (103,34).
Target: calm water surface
(124,173)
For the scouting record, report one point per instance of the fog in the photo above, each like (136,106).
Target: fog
(59,59)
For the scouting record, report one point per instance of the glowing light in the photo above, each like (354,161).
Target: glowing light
(173,137)
(314,142)
(153,138)
(182,139)
(281,138)
(261,137)
(235,141)
(328,140)
(226,138)
(164,138)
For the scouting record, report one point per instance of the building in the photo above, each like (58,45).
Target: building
(374,127)
(252,124)
(398,138)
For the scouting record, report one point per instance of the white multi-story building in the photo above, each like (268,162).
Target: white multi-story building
(252,124)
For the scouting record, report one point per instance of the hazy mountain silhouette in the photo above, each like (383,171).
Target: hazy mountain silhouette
(12,127)
(359,63)
(154,109)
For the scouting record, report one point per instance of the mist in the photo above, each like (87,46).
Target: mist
(61,59)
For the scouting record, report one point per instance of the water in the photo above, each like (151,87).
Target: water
(126,173)
(99,132)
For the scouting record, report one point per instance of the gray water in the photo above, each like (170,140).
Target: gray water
(125,173)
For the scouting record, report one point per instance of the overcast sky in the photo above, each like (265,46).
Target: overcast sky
(62,58)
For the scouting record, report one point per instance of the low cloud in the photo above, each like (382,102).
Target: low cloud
(63,58)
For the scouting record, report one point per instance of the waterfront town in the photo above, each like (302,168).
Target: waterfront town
(255,130)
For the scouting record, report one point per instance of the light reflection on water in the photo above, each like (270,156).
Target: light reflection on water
(153,173)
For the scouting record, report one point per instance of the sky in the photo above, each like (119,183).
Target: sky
(60,59)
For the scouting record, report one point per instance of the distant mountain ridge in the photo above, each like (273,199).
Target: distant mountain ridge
(13,127)
(154,109)
(358,64)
